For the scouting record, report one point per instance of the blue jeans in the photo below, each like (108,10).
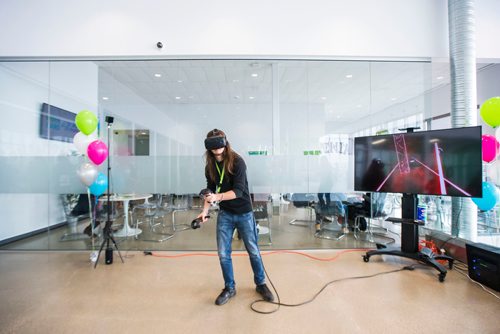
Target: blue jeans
(245,223)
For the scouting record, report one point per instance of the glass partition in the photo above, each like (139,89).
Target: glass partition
(292,121)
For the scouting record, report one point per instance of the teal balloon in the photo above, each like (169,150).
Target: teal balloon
(489,199)
(490,111)
(86,122)
(99,186)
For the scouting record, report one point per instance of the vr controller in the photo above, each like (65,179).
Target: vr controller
(196,223)
(206,192)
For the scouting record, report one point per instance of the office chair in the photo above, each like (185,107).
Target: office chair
(301,200)
(69,202)
(336,210)
(379,208)
(153,209)
(262,209)
(178,203)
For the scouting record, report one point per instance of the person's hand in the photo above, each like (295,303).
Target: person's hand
(212,198)
(203,216)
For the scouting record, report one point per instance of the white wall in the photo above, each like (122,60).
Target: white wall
(23,89)
(355,28)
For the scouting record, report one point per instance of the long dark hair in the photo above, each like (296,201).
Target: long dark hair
(228,157)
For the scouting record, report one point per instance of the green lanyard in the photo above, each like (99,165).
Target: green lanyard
(221,175)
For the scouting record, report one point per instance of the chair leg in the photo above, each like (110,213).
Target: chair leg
(268,233)
(152,228)
(324,233)
(136,237)
(302,222)
(386,240)
(175,227)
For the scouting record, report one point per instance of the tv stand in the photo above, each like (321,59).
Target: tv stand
(409,240)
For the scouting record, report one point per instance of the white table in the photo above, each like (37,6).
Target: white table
(126,230)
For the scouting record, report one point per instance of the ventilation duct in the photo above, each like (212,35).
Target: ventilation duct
(462,39)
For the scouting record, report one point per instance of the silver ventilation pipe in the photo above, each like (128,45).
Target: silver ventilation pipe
(462,37)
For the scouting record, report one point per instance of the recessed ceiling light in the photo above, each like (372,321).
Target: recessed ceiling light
(158,75)
(251,97)
(338,116)
(439,78)
(348,76)
(323,98)
(236,80)
(177,97)
(105,98)
(255,75)
(393,99)
(236,97)
(179,81)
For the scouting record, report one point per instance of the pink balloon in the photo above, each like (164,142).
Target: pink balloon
(491,146)
(97,152)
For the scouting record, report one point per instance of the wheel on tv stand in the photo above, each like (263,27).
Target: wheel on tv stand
(442,277)
(366,258)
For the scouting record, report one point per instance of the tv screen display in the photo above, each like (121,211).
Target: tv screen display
(57,124)
(440,162)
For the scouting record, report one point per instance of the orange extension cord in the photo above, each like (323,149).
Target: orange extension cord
(266,253)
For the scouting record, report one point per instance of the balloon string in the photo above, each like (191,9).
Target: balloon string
(95,211)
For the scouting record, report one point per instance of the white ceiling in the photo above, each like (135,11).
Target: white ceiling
(348,90)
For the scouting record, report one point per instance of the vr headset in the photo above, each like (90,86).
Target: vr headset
(214,143)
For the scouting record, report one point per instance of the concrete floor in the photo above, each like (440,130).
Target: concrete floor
(61,292)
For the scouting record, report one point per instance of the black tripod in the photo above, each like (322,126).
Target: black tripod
(107,231)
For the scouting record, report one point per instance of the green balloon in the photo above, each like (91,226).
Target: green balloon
(86,122)
(490,111)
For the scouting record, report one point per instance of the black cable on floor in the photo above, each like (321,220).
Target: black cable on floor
(279,303)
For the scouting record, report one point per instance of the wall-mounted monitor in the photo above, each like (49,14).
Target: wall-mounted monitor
(440,162)
(57,124)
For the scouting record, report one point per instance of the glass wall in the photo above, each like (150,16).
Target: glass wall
(292,121)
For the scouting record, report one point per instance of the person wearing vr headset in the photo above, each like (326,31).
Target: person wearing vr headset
(225,171)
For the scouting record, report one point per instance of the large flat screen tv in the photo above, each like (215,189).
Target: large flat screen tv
(57,124)
(440,162)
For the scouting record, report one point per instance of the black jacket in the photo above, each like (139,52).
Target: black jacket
(236,182)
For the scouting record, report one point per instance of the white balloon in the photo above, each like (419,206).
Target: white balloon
(493,172)
(87,173)
(82,141)
(497,133)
